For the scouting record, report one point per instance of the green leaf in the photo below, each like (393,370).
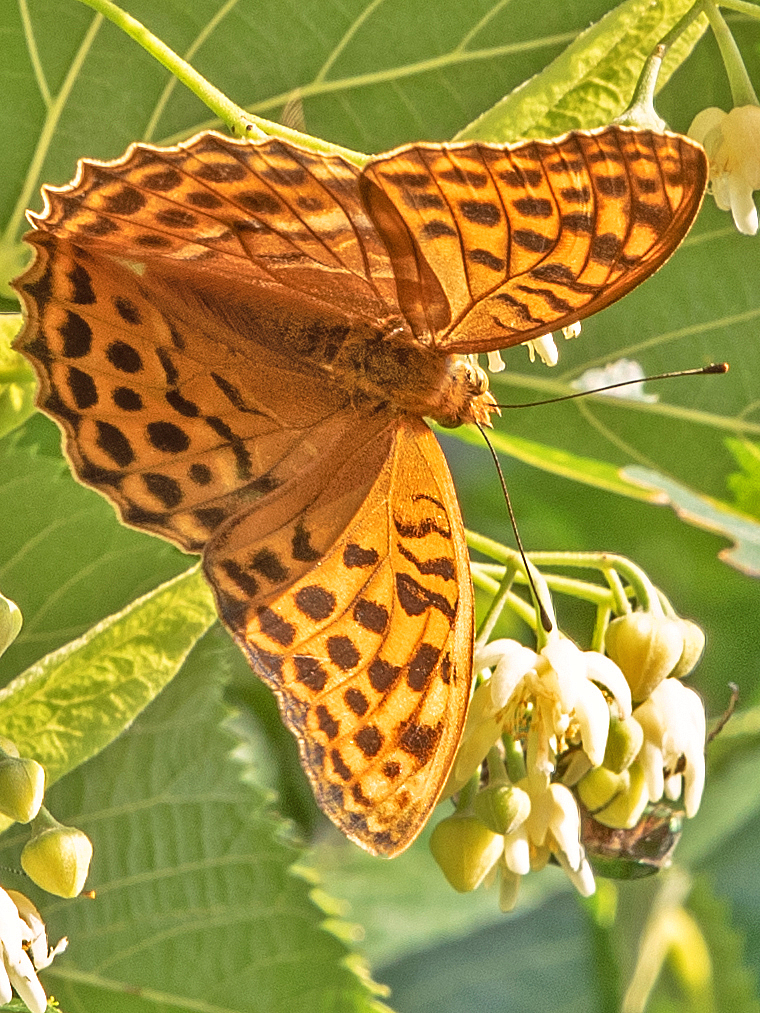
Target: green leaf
(371,76)
(64,558)
(199,905)
(75,701)
(592,81)
(734,981)
(597,474)
(707,513)
(17,382)
(745,484)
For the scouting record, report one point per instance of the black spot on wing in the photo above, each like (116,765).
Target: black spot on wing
(369,740)
(310,673)
(422,666)
(315,602)
(343,652)
(415,599)
(77,336)
(356,556)
(276,628)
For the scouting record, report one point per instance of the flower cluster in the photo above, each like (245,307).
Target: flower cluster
(56,858)
(24,949)
(565,731)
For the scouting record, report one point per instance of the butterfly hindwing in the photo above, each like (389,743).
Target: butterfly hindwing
(369,650)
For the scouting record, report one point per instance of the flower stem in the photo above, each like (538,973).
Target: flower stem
(742,92)
(239,122)
(496,607)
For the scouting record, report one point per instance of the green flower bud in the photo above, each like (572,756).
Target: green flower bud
(502,807)
(22,786)
(10,622)
(57,858)
(626,809)
(599,787)
(693,645)
(624,741)
(646,647)
(466,850)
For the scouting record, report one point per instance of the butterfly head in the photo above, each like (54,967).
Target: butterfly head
(467,397)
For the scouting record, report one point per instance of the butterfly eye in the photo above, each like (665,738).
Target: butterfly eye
(478,380)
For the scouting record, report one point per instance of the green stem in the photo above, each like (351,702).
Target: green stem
(512,558)
(742,92)
(495,608)
(680,26)
(190,52)
(600,627)
(742,7)
(641,111)
(514,758)
(642,586)
(239,122)
(622,605)
(467,794)
(236,119)
(497,772)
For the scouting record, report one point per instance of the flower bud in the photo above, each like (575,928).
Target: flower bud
(502,807)
(693,645)
(57,858)
(646,647)
(10,622)
(466,850)
(22,786)
(599,787)
(626,808)
(624,740)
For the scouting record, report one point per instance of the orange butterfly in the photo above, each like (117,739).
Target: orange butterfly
(240,341)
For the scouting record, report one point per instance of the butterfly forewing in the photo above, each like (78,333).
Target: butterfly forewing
(256,214)
(508,243)
(225,330)
(163,413)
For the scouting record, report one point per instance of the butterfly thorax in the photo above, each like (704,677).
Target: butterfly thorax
(388,365)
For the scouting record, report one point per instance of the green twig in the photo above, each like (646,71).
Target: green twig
(742,92)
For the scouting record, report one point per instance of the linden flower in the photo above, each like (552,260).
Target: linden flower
(552,828)
(732,143)
(20,924)
(557,686)
(545,348)
(673,720)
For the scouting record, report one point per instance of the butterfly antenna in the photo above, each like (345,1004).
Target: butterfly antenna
(545,620)
(714,367)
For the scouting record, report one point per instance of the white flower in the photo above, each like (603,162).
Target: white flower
(559,684)
(551,828)
(732,143)
(545,348)
(556,687)
(21,924)
(495,362)
(673,720)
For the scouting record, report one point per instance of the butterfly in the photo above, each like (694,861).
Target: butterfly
(241,340)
